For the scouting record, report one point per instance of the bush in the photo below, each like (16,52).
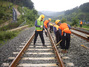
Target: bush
(75,22)
(4,36)
(63,20)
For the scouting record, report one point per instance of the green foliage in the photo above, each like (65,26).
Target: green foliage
(29,15)
(26,3)
(81,12)
(75,21)
(84,7)
(7,35)
(63,20)
(5,11)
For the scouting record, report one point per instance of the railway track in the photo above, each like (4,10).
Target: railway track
(80,33)
(39,56)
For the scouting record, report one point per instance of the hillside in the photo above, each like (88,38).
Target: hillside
(50,13)
(81,12)
(6,14)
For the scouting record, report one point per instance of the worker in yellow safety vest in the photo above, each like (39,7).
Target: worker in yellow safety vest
(39,26)
(56,31)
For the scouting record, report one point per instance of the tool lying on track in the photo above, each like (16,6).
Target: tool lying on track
(58,43)
(84,46)
(88,36)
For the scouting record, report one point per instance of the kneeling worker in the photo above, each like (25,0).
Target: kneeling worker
(39,25)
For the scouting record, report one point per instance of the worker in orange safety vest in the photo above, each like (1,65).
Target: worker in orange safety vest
(81,23)
(65,32)
(46,22)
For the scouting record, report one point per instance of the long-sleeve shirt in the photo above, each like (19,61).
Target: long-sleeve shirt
(38,25)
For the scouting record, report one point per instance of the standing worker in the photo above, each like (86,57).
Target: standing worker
(39,25)
(81,23)
(65,32)
(46,22)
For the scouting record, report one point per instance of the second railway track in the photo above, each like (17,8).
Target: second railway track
(80,33)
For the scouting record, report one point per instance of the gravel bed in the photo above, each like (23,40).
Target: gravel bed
(8,49)
(78,55)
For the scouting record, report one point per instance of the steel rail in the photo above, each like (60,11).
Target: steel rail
(18,57)
(81,31)
(81,36)
(60,61)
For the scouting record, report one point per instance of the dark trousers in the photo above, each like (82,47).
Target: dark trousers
(51,29)
(80,25)
(46,32)
(58,36)
(65,41)
(41,36)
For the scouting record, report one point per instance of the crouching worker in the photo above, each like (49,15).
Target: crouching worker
(56,31)
(65,32)
(39,25)
(50,27)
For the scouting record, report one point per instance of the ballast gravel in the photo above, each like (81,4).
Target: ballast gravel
(7,49)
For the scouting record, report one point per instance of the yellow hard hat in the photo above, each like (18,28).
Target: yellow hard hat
(42,16)
(56,22)
(49,19)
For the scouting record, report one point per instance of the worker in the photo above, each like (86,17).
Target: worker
(56,31)
(46,22)
(81,23)
(50,25)
(65,32)
(39,26)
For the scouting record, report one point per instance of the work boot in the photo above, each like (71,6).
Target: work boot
(44,45)
(64,51)
(34,45)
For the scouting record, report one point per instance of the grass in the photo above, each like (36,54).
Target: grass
(85,27)
(5,36)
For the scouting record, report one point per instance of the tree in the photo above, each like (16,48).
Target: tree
(75,21)
(63,20)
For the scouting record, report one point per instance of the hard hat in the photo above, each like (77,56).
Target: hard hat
(57,21)
(49,19)
(42,16)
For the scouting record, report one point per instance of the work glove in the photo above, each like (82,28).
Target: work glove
(41,26)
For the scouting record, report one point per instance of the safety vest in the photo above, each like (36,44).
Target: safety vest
(40,23)
(81,22)
(45,23)
(50,24)
(56,26)
(64,27)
